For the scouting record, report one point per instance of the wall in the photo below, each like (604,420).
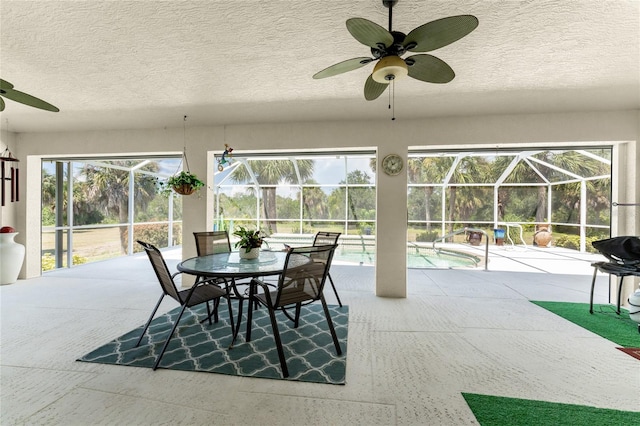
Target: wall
(619,127)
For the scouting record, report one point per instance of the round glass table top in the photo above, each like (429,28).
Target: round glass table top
(230,264)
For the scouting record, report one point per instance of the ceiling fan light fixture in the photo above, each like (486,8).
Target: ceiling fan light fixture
(390,68)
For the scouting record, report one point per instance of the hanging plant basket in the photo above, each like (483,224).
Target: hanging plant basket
(183,183)
(184,189)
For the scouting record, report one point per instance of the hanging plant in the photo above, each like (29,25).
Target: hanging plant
(183,183)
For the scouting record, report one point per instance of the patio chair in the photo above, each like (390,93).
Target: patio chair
(200,292)
(624,261)
(297,287)
(331,238)
(214,242)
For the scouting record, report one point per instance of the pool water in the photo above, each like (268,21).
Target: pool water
(417,257)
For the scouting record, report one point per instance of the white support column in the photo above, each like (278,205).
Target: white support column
(583,216)
(131,212)
(391,241)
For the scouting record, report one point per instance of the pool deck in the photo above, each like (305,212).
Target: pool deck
(409,359)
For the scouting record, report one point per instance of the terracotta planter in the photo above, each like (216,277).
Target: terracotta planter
(542,238)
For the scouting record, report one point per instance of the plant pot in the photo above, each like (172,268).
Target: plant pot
(11,258)
(184,189)
(542,238)
(251,254)
(474,238)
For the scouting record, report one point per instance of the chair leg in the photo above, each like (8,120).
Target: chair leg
(166,343)
(619,293)
(146,326)
(593,284)
(209,313)
(334,289)
(230,307)
(332,329)
(276,337)
(237,329)
(297,318)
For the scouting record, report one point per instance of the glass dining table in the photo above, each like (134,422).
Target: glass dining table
(230,266)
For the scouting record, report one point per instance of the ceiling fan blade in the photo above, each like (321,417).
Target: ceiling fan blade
(4,84)
(369,33)
(430,69)
(344,66)
(1,104)
(439,33)
(373,89)
(23,98)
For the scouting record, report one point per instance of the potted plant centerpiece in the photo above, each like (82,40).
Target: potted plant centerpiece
(249,243)
(183,183)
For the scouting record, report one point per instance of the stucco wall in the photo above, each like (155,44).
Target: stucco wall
(617,127)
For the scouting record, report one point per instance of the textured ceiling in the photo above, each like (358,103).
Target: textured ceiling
(142,64)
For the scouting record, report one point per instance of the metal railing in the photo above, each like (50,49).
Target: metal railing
(461,231)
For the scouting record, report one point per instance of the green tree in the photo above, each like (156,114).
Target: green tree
(268,174)
(108,189)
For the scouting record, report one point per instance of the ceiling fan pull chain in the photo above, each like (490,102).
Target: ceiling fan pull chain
(392,102)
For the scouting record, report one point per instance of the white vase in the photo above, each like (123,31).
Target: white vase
(11,258)
(634,307)
(252,254)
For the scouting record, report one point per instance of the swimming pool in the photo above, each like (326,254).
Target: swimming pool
(417,257)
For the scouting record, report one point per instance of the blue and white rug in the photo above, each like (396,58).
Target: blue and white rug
(309,350)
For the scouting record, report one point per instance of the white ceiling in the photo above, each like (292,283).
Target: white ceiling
(143,64)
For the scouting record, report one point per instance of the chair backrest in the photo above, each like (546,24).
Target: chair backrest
(300,283)
(623,250)
(161,270)
(212,242)
(326,238)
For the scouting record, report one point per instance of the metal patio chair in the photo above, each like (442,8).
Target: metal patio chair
(200,292)
(328,238)
(623,254)
(297,287)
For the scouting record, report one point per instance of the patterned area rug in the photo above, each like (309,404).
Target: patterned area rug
(309,350)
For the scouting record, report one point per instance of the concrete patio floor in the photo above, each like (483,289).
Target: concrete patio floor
(408,359)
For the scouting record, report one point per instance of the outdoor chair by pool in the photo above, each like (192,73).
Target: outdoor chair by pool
(297,287)
(624,261)
(328,238)
(200,292)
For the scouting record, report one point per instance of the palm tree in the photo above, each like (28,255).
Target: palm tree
(430,170)
(315,202)
(108,189)
(268,174)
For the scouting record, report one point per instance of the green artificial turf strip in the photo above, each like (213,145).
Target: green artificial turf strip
(495,410)
(604,321)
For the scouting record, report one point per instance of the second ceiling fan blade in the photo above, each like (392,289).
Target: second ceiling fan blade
(439,33)
(373,89)
(430,69)
(23,98)
(369,33)
(341,67)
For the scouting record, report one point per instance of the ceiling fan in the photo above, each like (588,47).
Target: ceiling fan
(388,47)
(7,91)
